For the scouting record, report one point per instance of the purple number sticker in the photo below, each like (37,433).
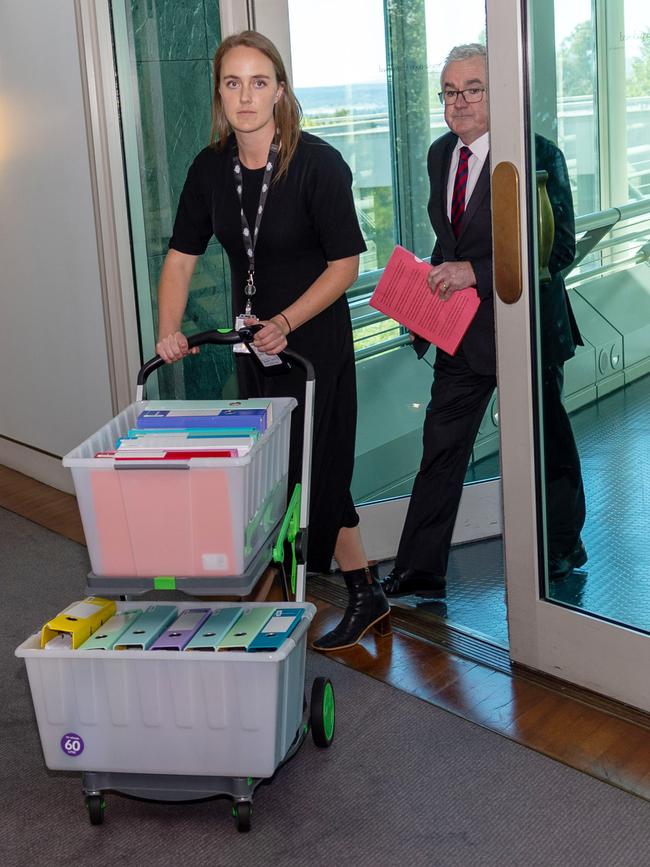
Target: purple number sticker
(72,744)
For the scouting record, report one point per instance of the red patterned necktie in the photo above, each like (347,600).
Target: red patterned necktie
(460,185)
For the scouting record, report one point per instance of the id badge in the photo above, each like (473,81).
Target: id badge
(240,322)
(264,359)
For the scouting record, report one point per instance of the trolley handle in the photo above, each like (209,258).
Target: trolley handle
(246,335)
(243,335)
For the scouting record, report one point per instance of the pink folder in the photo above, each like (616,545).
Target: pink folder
(158,522)
(404,294)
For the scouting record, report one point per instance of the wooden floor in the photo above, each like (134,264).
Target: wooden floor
(599,743)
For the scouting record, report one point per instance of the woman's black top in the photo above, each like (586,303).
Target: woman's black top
(309,219)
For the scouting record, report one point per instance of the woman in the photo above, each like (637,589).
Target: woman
(280,203)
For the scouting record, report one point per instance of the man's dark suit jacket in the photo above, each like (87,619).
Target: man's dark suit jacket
(474,244)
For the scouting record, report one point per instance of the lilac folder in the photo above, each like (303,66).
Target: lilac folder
(182,629)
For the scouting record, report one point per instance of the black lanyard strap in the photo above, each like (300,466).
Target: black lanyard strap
(251,240)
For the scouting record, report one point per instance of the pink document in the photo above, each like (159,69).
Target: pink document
(404,294)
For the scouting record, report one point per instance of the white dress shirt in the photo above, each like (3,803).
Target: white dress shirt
(479,153)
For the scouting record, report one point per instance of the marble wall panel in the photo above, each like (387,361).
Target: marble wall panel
(172,46)
(170,29)
(175,126)
(212,26)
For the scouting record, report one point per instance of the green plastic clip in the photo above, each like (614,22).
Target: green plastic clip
(164,582)
(288,532)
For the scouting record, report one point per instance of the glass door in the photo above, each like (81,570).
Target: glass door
(378,105)
(570,126)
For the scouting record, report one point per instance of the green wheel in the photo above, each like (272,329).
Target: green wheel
(322,712)
(95,805)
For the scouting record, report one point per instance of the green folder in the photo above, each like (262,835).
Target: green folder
(244,631)
(107,636)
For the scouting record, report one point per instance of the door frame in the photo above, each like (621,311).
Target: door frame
(566,643)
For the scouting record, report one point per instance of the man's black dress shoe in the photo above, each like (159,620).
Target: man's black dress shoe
(561,567)
(413,582)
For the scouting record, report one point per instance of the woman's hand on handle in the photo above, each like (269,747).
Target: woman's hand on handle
(272,337)
(174,347)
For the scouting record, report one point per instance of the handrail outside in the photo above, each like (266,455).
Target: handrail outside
(600,223)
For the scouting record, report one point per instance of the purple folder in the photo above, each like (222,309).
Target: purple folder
(182,629)
(219,418)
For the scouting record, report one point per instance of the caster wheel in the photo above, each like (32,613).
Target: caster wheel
(322,712)
(242,812)
(95,805)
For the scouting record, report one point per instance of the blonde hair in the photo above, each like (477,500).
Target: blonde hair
(287,110)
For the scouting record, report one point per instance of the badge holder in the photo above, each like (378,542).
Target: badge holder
(271,365)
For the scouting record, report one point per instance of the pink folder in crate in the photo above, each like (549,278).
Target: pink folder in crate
(157,522)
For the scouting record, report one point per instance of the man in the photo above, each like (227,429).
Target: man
(460,213)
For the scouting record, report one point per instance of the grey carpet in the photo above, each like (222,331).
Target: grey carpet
(404,783)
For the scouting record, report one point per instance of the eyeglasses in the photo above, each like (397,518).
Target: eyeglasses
(472,94)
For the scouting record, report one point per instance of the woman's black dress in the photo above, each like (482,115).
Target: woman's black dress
(309,219)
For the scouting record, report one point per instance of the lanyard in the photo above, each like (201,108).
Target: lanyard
(249,242)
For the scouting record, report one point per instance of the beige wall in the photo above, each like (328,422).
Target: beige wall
(54,380)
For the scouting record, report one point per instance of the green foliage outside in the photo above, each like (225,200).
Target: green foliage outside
(577,61)
(638,84)
(324,120)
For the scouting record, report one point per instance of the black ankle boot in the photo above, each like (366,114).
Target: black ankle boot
(367,607)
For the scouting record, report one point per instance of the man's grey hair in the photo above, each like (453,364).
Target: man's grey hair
(463,52)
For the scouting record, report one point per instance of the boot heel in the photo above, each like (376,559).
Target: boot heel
(383,627)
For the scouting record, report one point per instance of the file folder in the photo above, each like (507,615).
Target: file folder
(223,418)
(136,433)
(182,629)
(278,628)
(192,406)
(214,629)
(110,632)
(79,620)
(146,629)
(183,442)
(60,642)
(243,632)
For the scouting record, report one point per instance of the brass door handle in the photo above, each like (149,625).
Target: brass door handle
(545,226)
(507,237)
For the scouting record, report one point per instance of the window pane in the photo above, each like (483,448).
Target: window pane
(576,88)
(596,553)
(636,50)
(341,82)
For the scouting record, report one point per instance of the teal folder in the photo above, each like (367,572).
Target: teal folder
(142,634)
(110,632)
(278,628)
(214,629)
(246,628)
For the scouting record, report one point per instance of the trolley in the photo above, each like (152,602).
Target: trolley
(175,725)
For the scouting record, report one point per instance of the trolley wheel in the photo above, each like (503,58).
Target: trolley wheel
(95,805)
(242,812)
(322,712)
(300,545)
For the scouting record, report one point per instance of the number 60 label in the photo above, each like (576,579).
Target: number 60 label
(72,744)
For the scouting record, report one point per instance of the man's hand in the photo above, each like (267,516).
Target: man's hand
(450,277)
(174,347)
